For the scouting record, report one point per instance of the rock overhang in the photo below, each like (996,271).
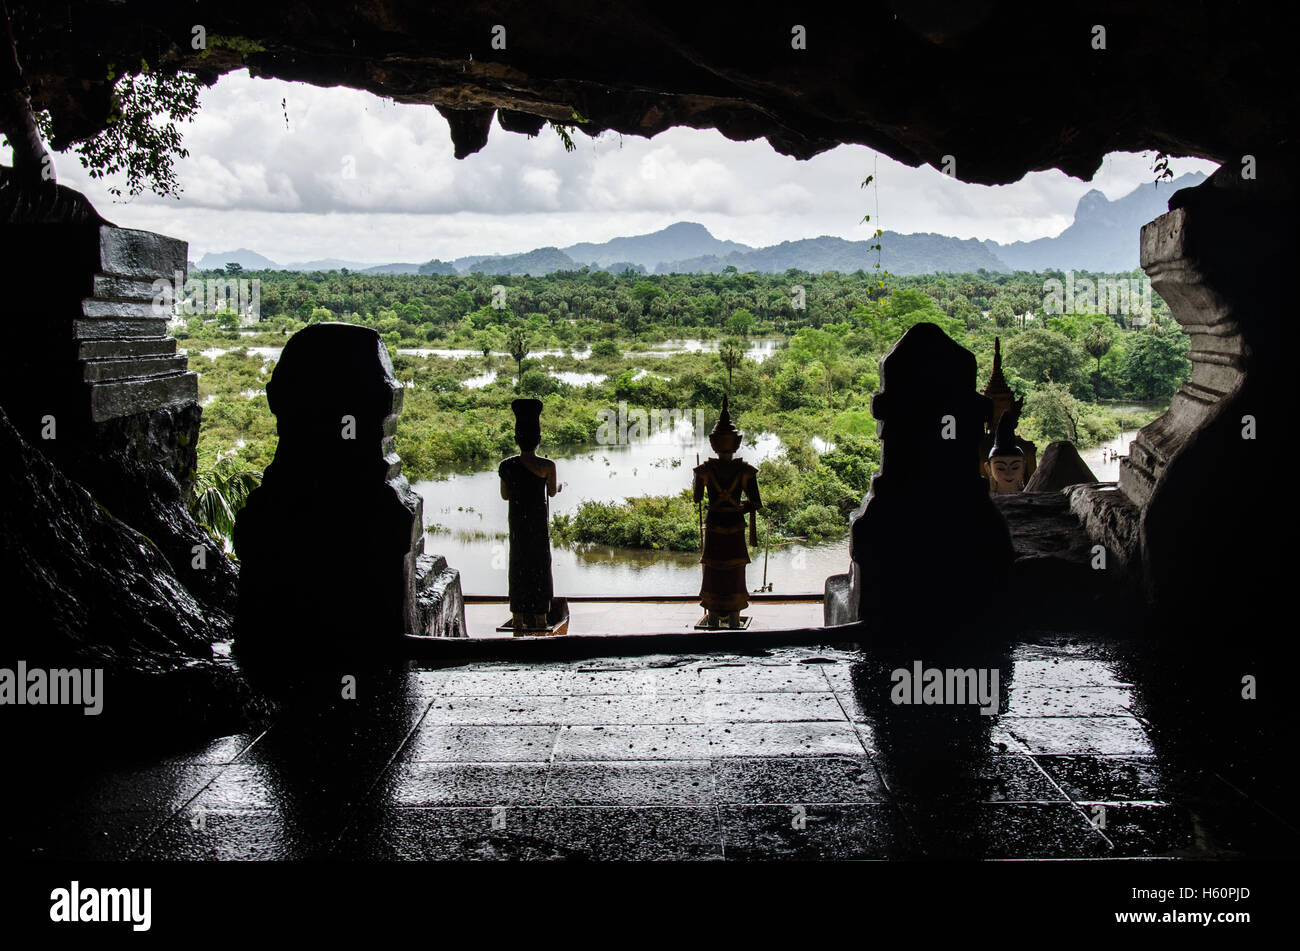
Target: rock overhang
(1001,88)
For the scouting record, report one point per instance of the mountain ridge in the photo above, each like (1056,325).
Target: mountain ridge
(1102,237)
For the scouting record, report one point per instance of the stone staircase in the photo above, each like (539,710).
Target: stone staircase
(128,363)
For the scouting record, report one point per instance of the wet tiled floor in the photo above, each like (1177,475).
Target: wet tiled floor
(793,753)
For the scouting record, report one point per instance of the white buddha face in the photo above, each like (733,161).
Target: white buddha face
(1007,474)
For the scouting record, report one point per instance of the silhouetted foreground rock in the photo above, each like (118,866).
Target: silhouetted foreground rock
(98,594)
(330,543)
(99,449)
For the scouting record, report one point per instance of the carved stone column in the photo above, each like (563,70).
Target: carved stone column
(1202,474)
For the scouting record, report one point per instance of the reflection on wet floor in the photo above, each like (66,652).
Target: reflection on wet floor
(793,753)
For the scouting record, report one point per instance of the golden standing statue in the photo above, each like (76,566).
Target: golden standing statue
(732,488)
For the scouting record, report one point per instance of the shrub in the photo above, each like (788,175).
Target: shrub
(817,522)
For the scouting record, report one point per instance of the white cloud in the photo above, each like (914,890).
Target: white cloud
(269,170)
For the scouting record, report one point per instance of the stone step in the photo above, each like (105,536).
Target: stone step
(136,368)
(123,309)
(126,347)
(113,399)
(107,329)
(113,287)
(140,254)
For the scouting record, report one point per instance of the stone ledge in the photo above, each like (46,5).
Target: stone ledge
(107,328)
(126,348)
(127,397)
(113,287)
(96,309)
(124,252)
(1110,519)
(96,371)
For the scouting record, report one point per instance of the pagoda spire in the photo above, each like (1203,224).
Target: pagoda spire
(997,383)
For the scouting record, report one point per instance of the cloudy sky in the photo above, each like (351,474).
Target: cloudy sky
(340,173)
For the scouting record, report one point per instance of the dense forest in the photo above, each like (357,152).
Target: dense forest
(830,331)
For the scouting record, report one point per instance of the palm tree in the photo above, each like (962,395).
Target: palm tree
(731,351)
(1097,341)
(518,345)
(218,493)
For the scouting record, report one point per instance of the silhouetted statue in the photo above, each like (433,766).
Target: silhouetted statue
(527,483)
(732,487)
(1006,463)
(330,544)
(928,542)
(1004,404)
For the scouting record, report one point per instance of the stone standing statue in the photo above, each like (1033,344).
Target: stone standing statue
(527,483)
(732,487)
(1006,460)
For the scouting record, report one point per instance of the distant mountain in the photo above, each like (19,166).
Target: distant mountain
(685,239)
(393,269)
(252,261)
(248,260)
(329,264)
(538,261)
(1102,237)
(900,254)
(618,267)
(466,264)
(1104,234)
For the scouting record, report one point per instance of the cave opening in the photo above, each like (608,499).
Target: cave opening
(114,478)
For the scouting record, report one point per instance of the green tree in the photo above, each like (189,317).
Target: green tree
(143,137)
(1001,312)
(1056,411)
(1039,355)
(1156,364)
(646,292)
(740,322)
(485,341)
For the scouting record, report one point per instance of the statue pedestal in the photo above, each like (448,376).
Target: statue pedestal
(702,625)
(557,622)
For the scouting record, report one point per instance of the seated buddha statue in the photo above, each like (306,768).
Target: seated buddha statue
(1004,404)
(1006,461)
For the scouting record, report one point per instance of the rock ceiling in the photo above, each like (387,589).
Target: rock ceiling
(1003,88)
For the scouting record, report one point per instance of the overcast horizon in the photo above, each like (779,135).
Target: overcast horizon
(275,179)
